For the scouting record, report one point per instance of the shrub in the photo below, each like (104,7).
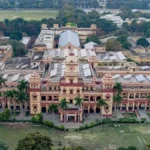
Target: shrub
(5,115)
(48,123)
(37,119)
(128,120)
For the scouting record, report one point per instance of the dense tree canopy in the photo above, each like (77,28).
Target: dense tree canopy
(18,27)
(113,45)
(93,38)
(3,146)
(123,39)
(35,141)
(55,4)
(16,35)
(133,4)
(143,42)
(106,25)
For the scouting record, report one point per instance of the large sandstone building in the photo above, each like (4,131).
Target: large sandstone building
(70,71)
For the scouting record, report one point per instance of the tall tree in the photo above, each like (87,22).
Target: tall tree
(22,85)
(118,87)
(101,103)
(78,103)
(117,99)
(63,105)
(53,108)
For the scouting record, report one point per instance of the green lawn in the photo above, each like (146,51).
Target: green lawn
(98,138)
(27,14)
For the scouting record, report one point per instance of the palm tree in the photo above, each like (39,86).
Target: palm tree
(2,81)
(78,103)
(53,108)
(118,87)
(117,100)
(22,85)
(63,105)
(22,97)
(101,103)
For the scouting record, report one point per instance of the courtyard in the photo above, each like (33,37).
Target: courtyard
(107,137)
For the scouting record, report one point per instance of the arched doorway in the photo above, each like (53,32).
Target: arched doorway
(43,109)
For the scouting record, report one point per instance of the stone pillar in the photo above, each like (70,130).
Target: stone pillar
(61,117)
(14,106)
(94,109)
(121,107)
(145,106)
(66,117)
(127,106)
(81,119)
(46,108)
(3,106)
(133,106)
(134,95)
(138,106)
(89,98)
(75,118)
(88,109)
(8,103)
(128,96)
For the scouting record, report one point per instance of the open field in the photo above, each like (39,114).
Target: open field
(27,14)
(107,137)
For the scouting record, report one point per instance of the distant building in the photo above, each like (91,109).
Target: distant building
(115,19)
(6,52)
(45,40)
(26,41)
(139,54)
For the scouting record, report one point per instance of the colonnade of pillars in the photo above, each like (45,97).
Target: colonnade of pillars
(135,96)
(3,104)
(133,105)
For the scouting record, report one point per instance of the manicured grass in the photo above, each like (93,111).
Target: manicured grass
(103,138)
(27,14)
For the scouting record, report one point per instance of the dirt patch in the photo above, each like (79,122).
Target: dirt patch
(18,125)
(73,137)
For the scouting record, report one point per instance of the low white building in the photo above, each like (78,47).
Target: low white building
(115,19)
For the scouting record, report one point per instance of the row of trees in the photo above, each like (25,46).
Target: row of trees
(54,4)
(142,28)
(126,12)
(133,4)
(17,27)
(20,95)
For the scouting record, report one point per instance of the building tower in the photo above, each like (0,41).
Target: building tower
(108,84)
(71,87)
(35,96)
